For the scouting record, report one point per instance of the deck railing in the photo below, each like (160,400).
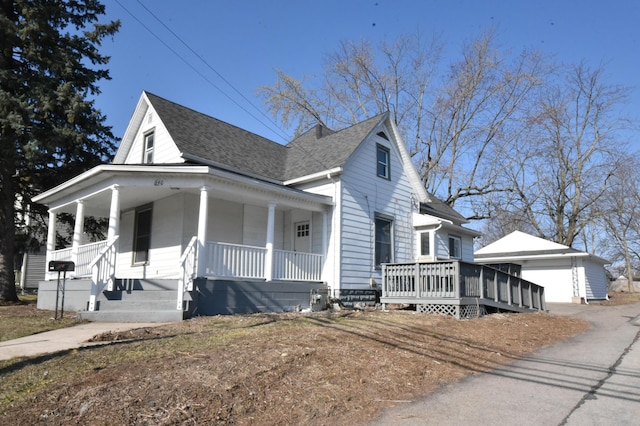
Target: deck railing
(457,280)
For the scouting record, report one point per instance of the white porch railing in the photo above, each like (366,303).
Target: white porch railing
(187,268)
(240,261)
(103,270)
(297,266)
(62,254)
(235,260)
(86,254)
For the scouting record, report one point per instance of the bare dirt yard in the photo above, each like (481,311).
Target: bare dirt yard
(267,369)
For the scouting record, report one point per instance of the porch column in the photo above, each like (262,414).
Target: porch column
(78,228)
(268,261)
(114,214)
(201,253)
(51,243)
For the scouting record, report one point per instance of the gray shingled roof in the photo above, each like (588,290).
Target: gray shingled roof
(319,149)
(312,153)
(199,135)
(202,136)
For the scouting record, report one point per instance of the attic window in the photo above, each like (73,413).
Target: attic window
(383,135)
(147,155)
(382,162)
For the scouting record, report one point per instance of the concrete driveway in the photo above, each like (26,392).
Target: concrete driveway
(590,379)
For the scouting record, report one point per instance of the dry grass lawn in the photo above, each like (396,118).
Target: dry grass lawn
(323,368)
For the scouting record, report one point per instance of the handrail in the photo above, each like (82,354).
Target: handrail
(187,267)
(103,270)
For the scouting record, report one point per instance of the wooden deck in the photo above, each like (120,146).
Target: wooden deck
(461,289)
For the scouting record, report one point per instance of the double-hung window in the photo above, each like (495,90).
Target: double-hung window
(142,235)
(425,243)
(384,240)
(147,155)
(455,247)
(382,162)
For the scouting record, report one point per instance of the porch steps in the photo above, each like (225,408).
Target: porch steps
(138,300)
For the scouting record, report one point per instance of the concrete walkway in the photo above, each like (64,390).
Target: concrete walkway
(590,379)
(62,339)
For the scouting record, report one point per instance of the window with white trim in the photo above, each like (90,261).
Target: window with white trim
(142,234)
(147,156)
(384,240)
(382,162)
(425,243)
(455,247)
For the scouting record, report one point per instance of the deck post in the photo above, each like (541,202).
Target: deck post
(456,279)
(538,295)
(417,280)
(509,295)
(530,295)
(481,283)
(520,291)
(496,294)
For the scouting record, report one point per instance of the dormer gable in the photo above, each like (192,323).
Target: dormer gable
(146,139)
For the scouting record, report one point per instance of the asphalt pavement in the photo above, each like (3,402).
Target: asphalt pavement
(590,379)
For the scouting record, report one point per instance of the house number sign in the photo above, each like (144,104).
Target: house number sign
(158,182)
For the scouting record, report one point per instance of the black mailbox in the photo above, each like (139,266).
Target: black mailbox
(60,266)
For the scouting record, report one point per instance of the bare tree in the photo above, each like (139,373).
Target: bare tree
(571,150)
(474,122)
(620,209)
(457,131)
(359,83)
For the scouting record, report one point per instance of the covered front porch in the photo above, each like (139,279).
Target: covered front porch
(180,223)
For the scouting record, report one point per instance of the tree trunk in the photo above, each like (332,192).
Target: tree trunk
(8,292)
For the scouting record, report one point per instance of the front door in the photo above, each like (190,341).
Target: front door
(302,237)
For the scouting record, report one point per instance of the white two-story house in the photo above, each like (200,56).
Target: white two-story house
(207,218)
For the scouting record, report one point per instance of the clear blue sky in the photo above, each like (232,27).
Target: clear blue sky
(244,41)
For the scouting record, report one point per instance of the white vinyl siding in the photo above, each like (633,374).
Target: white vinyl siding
(167,232)
(596,282)
(164,149)
(362,198)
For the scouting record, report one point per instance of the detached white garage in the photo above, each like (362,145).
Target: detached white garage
(568,275)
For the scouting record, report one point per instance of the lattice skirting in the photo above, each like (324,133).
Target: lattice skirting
(457,311)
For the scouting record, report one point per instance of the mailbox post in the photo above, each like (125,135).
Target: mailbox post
(61,267)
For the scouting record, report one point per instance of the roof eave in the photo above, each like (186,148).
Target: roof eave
(326,174)
(204,161)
